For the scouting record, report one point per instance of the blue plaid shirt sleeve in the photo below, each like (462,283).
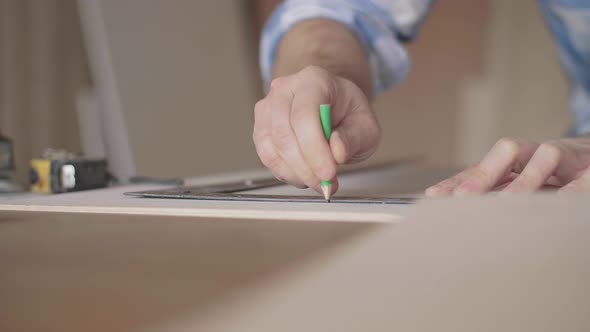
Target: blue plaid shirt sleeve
(569,20)
(380,25)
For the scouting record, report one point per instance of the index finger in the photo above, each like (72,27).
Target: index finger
(306,123)
(506,156)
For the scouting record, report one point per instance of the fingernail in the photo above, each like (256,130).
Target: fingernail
(326,174)
(338,145)
(430,191)
(463,191)
(460,189)
(433,192)
(466,189)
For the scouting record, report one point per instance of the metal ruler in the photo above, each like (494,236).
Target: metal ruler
(235,191)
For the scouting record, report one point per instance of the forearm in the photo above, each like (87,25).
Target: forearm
(327,44)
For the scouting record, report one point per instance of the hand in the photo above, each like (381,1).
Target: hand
(518,166)
(288,134)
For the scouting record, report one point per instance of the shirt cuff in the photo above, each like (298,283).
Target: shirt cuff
(375,28)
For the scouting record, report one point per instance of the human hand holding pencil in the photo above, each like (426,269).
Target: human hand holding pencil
(288,131)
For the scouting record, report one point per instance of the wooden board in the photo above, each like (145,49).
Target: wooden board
(470,264)
(402,180)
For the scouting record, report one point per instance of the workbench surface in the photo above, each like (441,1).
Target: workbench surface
(489,263)
(393,181)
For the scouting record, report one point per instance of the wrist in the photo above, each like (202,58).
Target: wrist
(326,44)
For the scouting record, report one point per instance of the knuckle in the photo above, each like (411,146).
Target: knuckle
(282,139)
(299,117)
(320,76)
(477,173)
(376,131)
(258,109)
(257,136)
(550,152)
(269,158)
(353,89)
(259,105)
(259,133)
(509,145)
(368,142)
(278,83)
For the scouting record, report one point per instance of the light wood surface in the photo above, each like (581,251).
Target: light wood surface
(403,180)
(486,263)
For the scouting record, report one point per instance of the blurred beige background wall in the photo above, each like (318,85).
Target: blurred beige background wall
(42,68)
(187,77)
(481,70)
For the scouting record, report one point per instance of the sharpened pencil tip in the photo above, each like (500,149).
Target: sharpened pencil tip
(327,190)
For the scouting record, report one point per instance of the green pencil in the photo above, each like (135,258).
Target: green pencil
(326,120)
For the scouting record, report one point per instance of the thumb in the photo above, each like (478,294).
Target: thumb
(356,138)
